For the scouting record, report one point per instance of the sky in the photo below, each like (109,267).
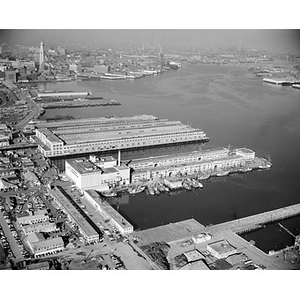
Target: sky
(173,38)
(156,22)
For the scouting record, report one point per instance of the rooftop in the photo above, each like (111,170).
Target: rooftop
(108,135)
(83,166)
(157,159)
(170,232)
(91,121)
(50,136)
(73,212)
(109,209)
(185,164)
(193,255)
(196,265)
(221,246)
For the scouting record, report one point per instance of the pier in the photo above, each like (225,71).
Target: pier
(257,221)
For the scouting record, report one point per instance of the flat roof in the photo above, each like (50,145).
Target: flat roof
(90,121)
(196,265)
(48,243)
(79,138)
(221,246)
(73,212)
(176,156)
(83,166)
(114,126)
(109,209)
(50,136)
(193,255)
(104,159)
(244,150)
(170,232)
(110,170)
(185,164)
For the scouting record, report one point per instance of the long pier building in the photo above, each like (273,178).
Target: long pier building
(203,161)
(105,134)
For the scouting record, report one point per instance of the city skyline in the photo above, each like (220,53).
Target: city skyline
(169,38)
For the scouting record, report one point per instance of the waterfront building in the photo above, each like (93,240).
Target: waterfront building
(103,134)
(201,238)
(63,94)
(168,166)
(108,212)
(221,249)
(178,158)
(85,228)
(99,174)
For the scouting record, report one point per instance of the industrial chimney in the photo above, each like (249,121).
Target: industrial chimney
(119,158)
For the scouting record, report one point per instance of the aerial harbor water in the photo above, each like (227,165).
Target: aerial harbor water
(234,108)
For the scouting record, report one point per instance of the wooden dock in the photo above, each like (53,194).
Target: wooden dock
(257,221)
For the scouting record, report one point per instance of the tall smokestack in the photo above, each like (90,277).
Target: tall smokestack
(119,158)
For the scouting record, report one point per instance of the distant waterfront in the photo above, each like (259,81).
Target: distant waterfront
(234,108)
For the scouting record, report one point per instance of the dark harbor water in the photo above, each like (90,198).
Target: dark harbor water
(234,108)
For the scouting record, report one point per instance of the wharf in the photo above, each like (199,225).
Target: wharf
(257,221)
(175,232)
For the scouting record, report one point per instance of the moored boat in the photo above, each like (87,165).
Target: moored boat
(223,173)
(244,170)
(186,186)
(108,193)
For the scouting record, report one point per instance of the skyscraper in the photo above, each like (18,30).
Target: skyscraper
(42,57)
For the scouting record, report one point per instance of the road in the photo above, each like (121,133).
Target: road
(13,245)
(22,96)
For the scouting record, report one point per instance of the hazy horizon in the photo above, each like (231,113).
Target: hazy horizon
(173,38)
